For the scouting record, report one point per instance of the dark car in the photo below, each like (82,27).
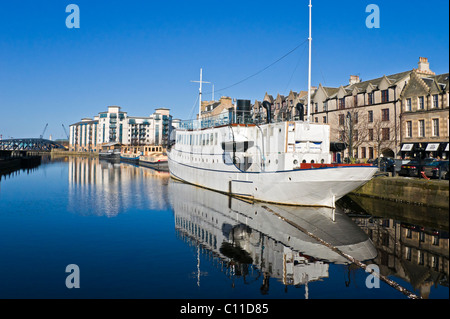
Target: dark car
(387,164)
(414,167)
(437,169)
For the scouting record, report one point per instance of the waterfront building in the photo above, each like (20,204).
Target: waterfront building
(368,115)
(83,135)
(425,116)
(221,110)
(114,125)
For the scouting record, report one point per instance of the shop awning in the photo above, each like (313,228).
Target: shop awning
(432,147)
(407,147)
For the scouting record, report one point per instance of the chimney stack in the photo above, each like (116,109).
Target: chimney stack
(424,66)
(354,79)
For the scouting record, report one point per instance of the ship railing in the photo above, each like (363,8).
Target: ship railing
(214,121)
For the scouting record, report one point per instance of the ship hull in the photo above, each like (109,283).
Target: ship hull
(304,187)
(160,166)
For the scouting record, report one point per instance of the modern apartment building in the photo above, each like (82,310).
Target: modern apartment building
(114,125)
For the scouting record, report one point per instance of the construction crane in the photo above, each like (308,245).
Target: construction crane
(43,132)
(65,131)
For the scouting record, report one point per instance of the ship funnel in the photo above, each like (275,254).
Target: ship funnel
(300,108)
(267,106)
(243,111)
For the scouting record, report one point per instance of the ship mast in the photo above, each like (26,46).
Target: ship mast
(309,67)
(200,97)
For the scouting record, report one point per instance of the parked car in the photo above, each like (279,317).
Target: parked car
(414,167)
(436,169)
(387,164)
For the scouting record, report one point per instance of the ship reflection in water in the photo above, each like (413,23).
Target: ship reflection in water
(107,188)
(249,240)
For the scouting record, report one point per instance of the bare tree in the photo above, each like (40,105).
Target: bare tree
(352,128)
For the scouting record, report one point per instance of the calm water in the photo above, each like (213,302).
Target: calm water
(135,233)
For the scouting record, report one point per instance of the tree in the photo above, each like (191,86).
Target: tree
(352,129)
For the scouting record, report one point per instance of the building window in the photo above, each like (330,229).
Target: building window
(422,237)
(370,152)
(435,127)
(355,118)
(355,135)
(324,119)
(408,253)
(355,100)
(385,134)
(435,262)
(363,152)
(316,107)
(421,102)
(435,101)
(370,116)
(408,129)
(370,133)
(341,119)
(421,258)
(370,98)
(325,106)
(385,96)
(436,240)
(385,114)
(421,128)
(408,105)
(342,103)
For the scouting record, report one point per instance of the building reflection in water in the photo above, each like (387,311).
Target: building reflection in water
(416,254)
(247,241)
(105,188)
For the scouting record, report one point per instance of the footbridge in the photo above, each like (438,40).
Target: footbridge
(29,144)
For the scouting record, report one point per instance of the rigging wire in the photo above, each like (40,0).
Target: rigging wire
(193,106)
(262,70)
(293,72)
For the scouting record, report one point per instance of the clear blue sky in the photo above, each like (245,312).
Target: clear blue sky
(142,55)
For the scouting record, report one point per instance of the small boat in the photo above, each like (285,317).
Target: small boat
(130,154)
(110,151)
(154,157)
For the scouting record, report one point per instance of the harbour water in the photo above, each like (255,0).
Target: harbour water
(135,233)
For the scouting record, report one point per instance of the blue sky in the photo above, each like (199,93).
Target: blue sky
(142,55)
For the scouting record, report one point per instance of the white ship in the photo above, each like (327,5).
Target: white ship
(283,163)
